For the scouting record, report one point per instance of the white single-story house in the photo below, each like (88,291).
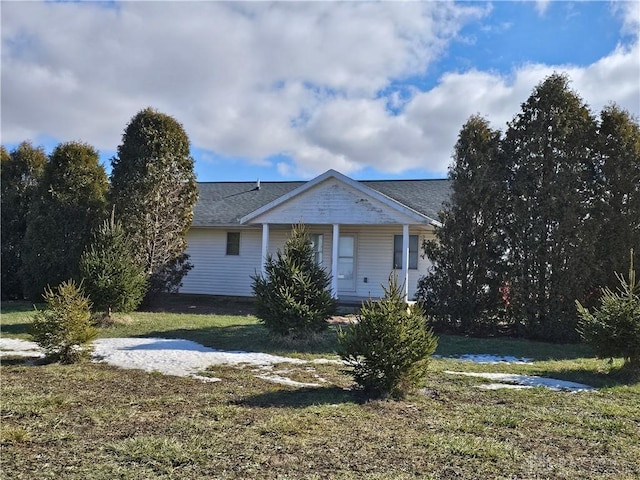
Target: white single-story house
(362,231)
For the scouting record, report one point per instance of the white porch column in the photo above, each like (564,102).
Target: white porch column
(265,247)
(405,260)
(334,260)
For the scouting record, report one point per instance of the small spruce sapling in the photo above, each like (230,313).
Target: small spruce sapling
(613,329)
(294,299)
(113,278)
(388,350)
(64,328)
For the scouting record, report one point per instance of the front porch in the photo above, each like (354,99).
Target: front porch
(350,258)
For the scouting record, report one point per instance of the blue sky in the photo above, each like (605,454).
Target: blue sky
(287,90)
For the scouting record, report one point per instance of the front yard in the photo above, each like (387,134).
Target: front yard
(94,421)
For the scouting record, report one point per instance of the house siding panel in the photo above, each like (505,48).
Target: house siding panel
(214,272)
(375,259)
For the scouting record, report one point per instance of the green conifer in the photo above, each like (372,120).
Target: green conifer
(294,297)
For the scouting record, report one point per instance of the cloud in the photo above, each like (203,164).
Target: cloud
(542,6)
(630,13)
(323,83)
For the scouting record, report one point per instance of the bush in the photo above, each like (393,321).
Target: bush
(112,278)
(613,329)
(389,348)
(64,328)
(294,298)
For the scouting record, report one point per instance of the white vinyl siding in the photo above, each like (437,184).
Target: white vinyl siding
(375,248)
(216,273)
(334,202)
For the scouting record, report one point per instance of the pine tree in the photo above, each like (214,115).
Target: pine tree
(70,202)
(154,191)
(294,297)
(550,223)
(389,348)
(112,278)
(21,173)
(613,329)
(64,328)
(462,292)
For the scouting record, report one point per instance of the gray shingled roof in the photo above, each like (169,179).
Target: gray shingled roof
(225,203)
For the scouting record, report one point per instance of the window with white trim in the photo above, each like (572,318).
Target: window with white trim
(233,243)
(413,252)
(317,244)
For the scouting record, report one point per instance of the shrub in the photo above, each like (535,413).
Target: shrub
(389,348)
(613,329)
(64,328)
(112,278)
(294,298)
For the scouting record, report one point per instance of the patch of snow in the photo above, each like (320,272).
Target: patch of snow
(529,381)
(489,358)
(175,356)
(187,358)
(202,378)
(286,381)
(500,386)
(14,347)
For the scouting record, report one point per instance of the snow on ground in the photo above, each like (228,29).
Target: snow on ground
(186,358)
(488,358)
(19,348)
(175,356)
(525,381)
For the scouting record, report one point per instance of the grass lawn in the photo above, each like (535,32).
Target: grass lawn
(92,421)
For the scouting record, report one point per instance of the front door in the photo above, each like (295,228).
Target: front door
(347,263)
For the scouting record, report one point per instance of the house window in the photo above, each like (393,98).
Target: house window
(317,244)
(413,252)
(233,243)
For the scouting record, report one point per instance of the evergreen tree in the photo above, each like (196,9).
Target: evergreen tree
(388,350)
(21,172)
(619,151)
(112,278)
(550,224)
(613,329)
(154,191)
(462,292)
(70,202)
(64,328)
(294,297)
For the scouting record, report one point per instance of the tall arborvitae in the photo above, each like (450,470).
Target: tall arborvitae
(551,221)
(463,291)
(21,172)
(619,151)
(69,204)
(154,191)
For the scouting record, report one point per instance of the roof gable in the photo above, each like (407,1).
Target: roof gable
(227,203)
(330,197)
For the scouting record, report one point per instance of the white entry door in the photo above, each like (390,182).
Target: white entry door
(347,263)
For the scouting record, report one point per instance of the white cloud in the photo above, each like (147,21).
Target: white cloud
(254,80)
(542,6)
(630,13)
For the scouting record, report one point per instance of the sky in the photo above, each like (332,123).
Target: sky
(287,90)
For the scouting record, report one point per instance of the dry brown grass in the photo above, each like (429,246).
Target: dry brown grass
(92,421)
